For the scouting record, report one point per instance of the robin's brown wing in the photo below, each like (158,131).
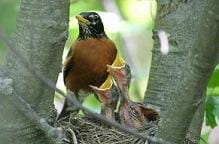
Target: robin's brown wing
(68,64)
(89,58)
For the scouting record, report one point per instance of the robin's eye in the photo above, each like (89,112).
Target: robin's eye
(93,17)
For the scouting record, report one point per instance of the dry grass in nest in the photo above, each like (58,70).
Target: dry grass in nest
(90,131)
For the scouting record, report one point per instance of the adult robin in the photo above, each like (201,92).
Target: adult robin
(131,114)
(87,59)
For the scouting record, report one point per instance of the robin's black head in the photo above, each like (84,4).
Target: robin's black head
(90,25)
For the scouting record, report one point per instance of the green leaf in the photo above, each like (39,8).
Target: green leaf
(92,103)
(214,80)
(213,91)
(204,138)
(212,111)
(213,84)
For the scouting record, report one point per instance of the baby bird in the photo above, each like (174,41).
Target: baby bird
(131,114)
(107,93)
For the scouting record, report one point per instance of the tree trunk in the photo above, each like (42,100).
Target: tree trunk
(178,80)
(41,32)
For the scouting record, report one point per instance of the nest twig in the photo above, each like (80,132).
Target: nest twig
(86,130)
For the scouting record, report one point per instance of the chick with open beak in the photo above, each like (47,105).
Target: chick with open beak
(131,114)
(107,93)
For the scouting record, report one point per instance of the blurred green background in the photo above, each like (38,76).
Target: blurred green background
(128,23)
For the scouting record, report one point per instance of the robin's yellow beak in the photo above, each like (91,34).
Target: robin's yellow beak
(82,20)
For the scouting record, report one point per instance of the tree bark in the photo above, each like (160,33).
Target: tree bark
(41,32)
(178,80)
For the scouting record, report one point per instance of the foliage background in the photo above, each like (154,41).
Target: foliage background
(133,24)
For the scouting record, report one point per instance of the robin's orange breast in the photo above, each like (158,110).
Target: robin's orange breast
(86,64)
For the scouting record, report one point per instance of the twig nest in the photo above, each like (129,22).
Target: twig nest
(86,130)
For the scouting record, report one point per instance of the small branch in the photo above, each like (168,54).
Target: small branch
(55,134)
(49,84)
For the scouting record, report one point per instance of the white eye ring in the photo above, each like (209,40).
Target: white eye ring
(91,16)
(95,17)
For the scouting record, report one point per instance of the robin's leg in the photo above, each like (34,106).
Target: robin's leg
(68,108)
(80,97)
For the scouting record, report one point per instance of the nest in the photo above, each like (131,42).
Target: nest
(86,130)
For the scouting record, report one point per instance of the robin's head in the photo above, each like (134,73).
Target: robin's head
(90,25)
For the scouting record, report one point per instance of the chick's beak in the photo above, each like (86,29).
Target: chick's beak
(122,79)
(103,92)
(116,72)
(82,20)
(116,69)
